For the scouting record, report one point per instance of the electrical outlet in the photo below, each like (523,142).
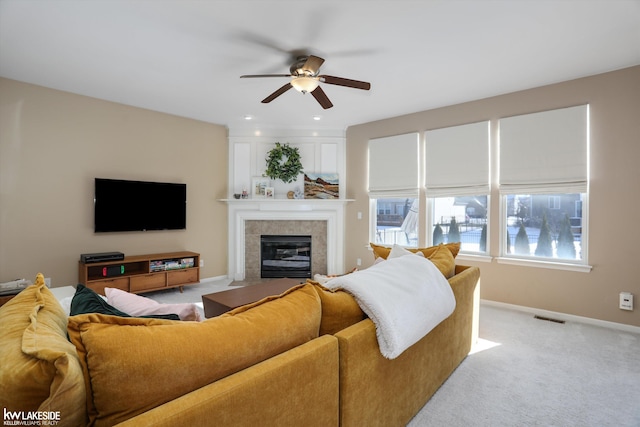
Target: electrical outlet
(47,281)
(201,263)
(626,301)
(359,262)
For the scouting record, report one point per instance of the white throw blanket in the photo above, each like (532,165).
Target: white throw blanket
(405,297)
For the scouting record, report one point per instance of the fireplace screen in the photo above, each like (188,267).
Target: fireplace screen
(285,256)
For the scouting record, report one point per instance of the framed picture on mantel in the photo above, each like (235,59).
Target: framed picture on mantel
(269,192)
(321,185)
(259,185)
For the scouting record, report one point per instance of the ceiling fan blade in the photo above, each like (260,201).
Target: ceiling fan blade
(340,81)
(312,64)
(321,97)
(250,76)
(277,93)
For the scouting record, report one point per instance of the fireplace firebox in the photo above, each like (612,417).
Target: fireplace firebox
(285,256)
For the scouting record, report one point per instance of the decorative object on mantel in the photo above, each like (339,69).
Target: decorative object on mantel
(283,163)
(321,186)
(298,193)
(268,192)
(258,186)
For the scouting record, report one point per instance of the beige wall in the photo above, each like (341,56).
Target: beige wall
(53,144)
(614,241)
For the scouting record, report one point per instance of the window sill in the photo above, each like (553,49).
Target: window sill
(474,257)
(582,268)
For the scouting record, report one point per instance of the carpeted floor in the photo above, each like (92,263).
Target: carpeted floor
(191,293)
(539,373)
(523,372)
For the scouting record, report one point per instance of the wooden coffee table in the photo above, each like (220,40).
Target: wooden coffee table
(220,302)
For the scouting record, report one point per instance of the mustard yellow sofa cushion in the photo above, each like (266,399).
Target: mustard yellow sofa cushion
(380,251)
(443,255)
(444,260)
(132,364)
(39,367)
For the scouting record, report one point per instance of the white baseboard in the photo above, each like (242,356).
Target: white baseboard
(213,279)
(564,316)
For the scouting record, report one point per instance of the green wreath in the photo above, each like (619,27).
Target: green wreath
(283,162)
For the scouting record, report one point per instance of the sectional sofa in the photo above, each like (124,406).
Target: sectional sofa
(307,357)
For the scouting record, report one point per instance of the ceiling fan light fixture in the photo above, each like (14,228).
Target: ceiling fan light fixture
(305,84)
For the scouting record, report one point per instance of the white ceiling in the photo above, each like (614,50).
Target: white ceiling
(185,57)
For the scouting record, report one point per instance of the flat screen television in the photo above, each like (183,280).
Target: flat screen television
(121,205)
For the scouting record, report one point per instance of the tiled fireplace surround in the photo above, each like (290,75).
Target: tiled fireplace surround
(323,220)
(254,229)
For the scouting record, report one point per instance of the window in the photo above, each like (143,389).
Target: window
(393,189)
(461,219)
(543,184)
(396,221)
(457,185)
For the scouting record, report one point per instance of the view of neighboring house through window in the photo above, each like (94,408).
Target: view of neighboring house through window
(396,221)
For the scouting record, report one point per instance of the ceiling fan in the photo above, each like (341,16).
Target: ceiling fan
(305,77)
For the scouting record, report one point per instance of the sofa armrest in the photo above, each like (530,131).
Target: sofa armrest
(297,387)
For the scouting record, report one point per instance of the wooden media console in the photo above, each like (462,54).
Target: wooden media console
(142,273)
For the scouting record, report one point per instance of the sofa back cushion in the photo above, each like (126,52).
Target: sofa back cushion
(380,251)
(39,367)
(339,309)
(132,364)
(443,255)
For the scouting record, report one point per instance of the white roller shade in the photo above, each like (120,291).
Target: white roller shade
(457,160)
(545,151)
(393,166)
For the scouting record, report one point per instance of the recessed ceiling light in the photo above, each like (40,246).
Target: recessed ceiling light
(248,117)
(316,118)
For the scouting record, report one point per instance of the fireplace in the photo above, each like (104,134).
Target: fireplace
(285,256)
(250,219)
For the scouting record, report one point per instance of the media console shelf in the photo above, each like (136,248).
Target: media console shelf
(142,273)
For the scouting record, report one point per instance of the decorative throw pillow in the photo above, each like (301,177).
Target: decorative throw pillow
(86,300)
(444,260)
(39,368)
(132,364)
(137,305)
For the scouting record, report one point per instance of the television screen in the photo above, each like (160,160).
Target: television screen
(121,205)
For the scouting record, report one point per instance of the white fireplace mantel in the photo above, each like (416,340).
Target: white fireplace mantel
(241,210)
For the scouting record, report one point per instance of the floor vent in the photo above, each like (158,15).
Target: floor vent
(548,319)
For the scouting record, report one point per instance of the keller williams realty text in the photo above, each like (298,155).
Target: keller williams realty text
(31,418)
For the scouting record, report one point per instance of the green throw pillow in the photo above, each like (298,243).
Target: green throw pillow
(87,301)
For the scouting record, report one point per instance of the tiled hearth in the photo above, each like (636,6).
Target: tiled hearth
(248,219)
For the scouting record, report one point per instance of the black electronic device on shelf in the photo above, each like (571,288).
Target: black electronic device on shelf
(101,257)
